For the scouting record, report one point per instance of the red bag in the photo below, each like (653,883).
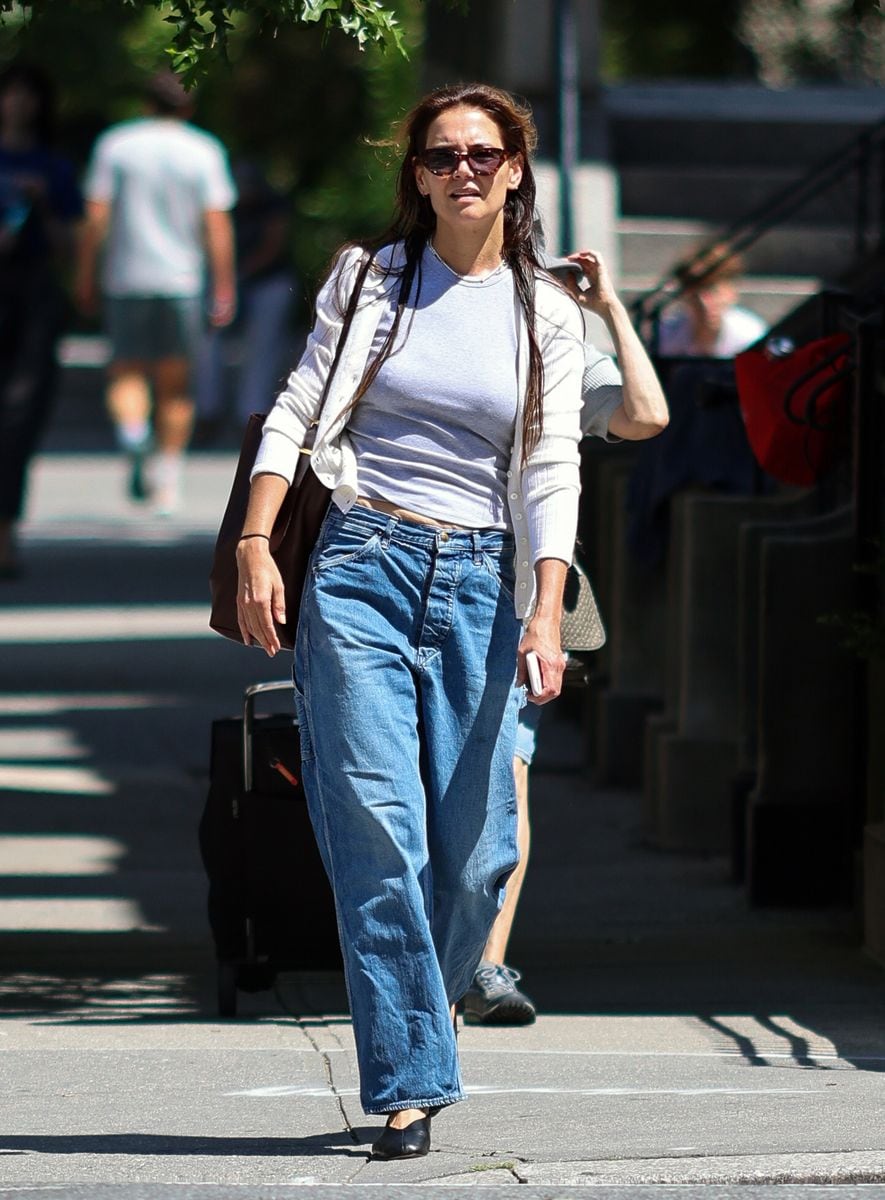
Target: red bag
(795,406)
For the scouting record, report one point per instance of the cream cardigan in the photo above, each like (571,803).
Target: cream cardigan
(542,496)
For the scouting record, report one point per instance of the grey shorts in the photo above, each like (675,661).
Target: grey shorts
(148,328)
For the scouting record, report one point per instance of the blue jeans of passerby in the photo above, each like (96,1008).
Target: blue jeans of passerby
(527,732)
(262,326)
(405,662)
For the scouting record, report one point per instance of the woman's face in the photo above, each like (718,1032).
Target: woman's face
(464,198)
(708,304)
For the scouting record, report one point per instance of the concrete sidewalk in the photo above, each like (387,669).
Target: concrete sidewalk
(683,1039)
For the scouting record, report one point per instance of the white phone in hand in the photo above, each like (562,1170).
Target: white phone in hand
(533,666)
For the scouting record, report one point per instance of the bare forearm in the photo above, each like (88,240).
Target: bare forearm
(220,251)
(265,498)
(644,411)
(549,584)
(91,234)
(542,634)
(87,253)
(261,595)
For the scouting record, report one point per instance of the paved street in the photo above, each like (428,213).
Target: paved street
(683,1039)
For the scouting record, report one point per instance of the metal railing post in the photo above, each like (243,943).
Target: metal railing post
(568,107)
(862,210)
(880,183)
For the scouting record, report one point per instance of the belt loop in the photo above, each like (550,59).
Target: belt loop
(388,530)
(477,548)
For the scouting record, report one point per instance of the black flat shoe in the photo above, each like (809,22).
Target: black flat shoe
(411,1142)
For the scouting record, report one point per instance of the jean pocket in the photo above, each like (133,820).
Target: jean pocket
(345,545)
(501,567)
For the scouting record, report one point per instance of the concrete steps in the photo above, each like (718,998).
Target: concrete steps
(650,246)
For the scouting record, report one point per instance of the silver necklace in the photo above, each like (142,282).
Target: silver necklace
(502,265)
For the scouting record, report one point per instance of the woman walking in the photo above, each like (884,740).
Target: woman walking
(39,206)
(445,371)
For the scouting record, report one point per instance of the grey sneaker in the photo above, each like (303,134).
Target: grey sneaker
(494,999)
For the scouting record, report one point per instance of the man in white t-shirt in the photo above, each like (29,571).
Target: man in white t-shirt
(708,322)
(159,194)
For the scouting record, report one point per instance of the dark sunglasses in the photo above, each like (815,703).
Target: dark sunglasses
(482,160)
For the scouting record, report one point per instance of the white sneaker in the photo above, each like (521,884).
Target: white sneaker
(166,480)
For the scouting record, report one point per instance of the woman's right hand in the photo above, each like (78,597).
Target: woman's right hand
(261,598)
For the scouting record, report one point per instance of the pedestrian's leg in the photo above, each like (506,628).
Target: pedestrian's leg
(29,320)
(173,422)
(129,404)
(493,997)
(496,946)
(354,668)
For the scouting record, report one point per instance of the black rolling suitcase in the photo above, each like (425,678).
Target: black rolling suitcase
(270,905)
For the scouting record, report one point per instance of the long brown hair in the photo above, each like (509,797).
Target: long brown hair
(414,222)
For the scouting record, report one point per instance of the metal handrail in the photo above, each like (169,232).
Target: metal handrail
(858,157)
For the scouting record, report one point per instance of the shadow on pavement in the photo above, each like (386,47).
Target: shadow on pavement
(338,1144)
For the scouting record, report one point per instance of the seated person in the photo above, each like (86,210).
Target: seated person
(707,321)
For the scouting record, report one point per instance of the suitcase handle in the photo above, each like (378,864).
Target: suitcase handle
(249,697)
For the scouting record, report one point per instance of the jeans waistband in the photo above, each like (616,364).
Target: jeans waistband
(412,533)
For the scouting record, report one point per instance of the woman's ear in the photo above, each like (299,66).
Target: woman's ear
(421,179)
(514,172)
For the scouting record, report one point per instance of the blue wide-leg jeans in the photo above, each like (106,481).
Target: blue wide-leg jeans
(405,661)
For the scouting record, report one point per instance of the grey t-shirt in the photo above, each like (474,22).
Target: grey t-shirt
(160,175)
(435,430)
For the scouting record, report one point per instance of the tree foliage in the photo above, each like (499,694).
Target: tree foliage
(811,41)
(780,42)
(202,27)
(684,39)
(199,31)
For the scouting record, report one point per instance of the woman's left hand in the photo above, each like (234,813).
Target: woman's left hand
(598,294)
(542,636)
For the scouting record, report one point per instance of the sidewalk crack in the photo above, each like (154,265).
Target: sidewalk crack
(331,1084)
(326,1059)
(353,1178)
(516,1175)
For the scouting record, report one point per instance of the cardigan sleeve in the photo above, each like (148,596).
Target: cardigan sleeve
(551,480)
(297,406)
